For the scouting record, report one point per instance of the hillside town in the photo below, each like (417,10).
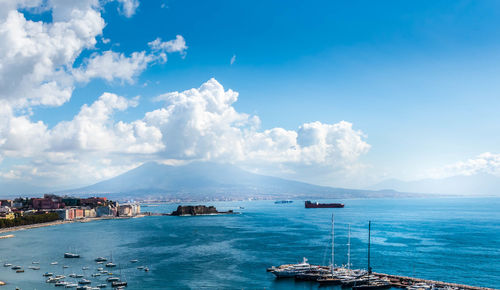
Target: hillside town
(50,207)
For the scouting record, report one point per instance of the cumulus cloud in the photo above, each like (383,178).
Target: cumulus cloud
(195,124)
(485,163)
(111,65)
(37,58)
(128,7)
(175,45)
(202,124)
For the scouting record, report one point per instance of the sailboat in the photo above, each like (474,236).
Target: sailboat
(371,284)
(332,278)
(110,264)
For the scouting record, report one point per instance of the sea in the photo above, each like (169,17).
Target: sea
(447,239)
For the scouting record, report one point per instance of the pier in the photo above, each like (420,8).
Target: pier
(404,282)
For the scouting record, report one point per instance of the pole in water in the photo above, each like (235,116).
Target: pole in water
(369,239)
(349,248)
(333,246)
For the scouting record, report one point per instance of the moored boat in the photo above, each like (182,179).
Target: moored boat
(292,270)
(100,259)
(71,255)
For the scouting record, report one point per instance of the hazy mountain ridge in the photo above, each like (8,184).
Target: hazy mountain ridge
(206,180)
(478,184)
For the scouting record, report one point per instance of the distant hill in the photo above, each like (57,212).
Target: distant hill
(209,181)
(479,184)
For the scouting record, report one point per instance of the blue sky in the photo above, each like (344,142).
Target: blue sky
(418,79)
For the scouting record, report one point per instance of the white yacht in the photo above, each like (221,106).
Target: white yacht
(293,269)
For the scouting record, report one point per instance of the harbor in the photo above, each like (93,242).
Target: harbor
(358,279)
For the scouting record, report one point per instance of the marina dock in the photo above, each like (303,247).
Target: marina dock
(404,282)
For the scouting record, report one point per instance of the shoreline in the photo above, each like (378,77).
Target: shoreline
(59,222)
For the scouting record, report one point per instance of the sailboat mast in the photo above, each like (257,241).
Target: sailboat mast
(349,247)
(369,240)
(333,245)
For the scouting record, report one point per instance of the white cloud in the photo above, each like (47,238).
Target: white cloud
(175,45)
(196,124)
(233,59)
(111,65)
(488,163)
(202,124)
(128,7)
(37,58)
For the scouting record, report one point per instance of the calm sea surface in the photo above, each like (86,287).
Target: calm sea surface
(455,240)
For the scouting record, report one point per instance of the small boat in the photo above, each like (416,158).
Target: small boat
(60,277)
(134,261)
(113,279)
(140,267)
(71,255)
(20,271)
(85,268)
(60,283)
(146,269)
(110,265)
(419,286)
(84,282)
(54,263)
(34,267)
(375,285)
(65,266)
(35,262)
(100,269)
(119,283)
(283,201)
(102,286)
(52,280)
(47,274)
(7,265)
(78,276)
(71,285)
(96,275)
(100,259)
(16,267)
(83,288)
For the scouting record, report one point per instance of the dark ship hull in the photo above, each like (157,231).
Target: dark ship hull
(309,204)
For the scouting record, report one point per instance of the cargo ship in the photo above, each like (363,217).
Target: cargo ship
(310,204)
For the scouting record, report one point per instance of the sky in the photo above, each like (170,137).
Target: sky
(339,93)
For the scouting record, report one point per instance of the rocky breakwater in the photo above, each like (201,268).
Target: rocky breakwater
(192,210)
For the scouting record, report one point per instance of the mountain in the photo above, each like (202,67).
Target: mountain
(209,181)
(479,184)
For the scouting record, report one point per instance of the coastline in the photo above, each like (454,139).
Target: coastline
(58,222)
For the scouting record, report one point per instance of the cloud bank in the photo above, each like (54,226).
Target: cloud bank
(485,163)
(195,124)
(39,67)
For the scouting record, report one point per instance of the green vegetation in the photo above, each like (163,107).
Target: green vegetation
(29,220)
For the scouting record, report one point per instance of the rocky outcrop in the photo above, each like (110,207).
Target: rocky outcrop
(196,210)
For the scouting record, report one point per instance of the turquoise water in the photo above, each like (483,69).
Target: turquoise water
(455,240)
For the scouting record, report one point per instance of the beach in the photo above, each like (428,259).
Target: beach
(54,223)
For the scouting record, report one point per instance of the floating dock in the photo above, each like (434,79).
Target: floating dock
(404,282)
